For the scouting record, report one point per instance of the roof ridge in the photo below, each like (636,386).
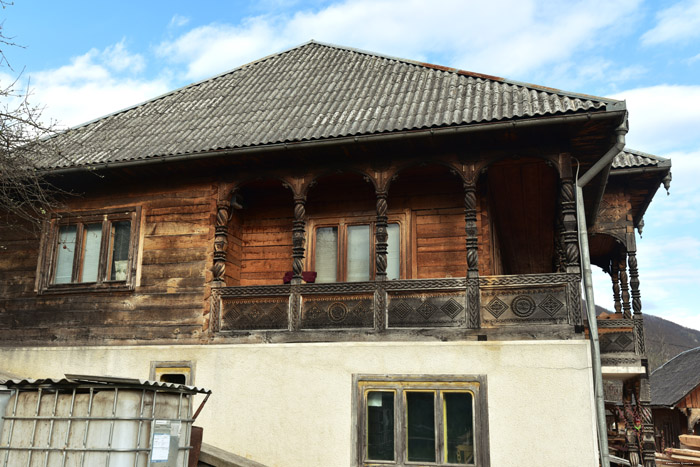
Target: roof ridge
(674,358)
(636,152)
(463,72)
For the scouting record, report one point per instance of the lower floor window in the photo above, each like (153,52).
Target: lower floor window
(421,419)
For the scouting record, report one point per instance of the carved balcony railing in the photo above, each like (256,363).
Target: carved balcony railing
(383,306)
(621,341)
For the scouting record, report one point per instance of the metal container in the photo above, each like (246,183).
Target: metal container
(92,421)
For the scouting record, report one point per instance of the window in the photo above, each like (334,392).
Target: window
(343,249)
(90,251)
(172,372)
(421,420)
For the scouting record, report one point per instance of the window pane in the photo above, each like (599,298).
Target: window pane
(393,256)
(327,254)
(121,231)
(91,252)
(380,425)
(420,412)
(358,253)
(65,254)
(459,424)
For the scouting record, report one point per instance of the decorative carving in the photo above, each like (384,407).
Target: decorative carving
(616,342)
(298,237)
(524,304)
(268,313)
(221,240)
(328,312)
(425,284)
(497,307)
(381,236)
(471,230)
(473,303)
(574,296)
(426,309)
(624,290)
(550,305)
(640,348)
(616,323)
(615,276)
(380,309)
(529,279)
(619,361)
(337,288)
(569,235)
(294,308)
(634,282)
(254,291)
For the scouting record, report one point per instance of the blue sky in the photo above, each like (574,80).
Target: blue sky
(86,59)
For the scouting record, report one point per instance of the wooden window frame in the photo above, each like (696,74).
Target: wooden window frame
(49,250)
(342,222)
(399,384)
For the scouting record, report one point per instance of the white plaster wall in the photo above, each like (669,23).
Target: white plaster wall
(288,405)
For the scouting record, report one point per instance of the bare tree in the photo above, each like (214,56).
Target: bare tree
(25,193)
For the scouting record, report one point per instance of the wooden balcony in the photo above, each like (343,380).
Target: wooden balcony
(529,301)
(621,346)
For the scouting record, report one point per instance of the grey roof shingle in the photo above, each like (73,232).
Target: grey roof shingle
(632,159)
(310,92)
(672,381)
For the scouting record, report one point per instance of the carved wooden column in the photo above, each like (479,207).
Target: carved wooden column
(472,244)
(569,235)
(298,238)
(223,209)
(647,430)
(624,289)
(381,236)
(615,276)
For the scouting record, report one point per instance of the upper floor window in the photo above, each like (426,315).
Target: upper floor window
(94,250)
(343,249)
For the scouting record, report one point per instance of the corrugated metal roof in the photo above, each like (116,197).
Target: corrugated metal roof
(673,380)
(631,159)
(311,92)
(78,380)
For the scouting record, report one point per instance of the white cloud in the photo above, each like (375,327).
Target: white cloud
(663,117)
(92,85)
(472,35)
(178,21)
(678,23)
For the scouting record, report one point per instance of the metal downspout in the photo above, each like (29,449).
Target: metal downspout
(588,287)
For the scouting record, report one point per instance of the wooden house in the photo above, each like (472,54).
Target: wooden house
(675,398)
(369,260)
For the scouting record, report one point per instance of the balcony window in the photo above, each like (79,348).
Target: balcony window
(344,250)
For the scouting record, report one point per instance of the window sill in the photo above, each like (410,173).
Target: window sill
(86,288)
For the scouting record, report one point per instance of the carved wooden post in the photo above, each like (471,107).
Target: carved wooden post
(298,238)
(625,294)
(569,236)
(223,208)
(640,347)
(381,236)
(472,244)
(615,276)
(648,443)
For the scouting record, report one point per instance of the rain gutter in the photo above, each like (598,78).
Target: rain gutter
(374,138)
(602,164)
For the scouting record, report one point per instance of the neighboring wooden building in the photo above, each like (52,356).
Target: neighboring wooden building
(675,398)
(436,208)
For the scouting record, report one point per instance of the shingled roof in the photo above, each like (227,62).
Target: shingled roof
(673,380)
(633,159)
(311,92)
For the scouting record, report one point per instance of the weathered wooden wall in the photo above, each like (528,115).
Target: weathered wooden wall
(175,256)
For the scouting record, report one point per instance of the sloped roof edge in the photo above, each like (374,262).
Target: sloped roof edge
(673,380)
